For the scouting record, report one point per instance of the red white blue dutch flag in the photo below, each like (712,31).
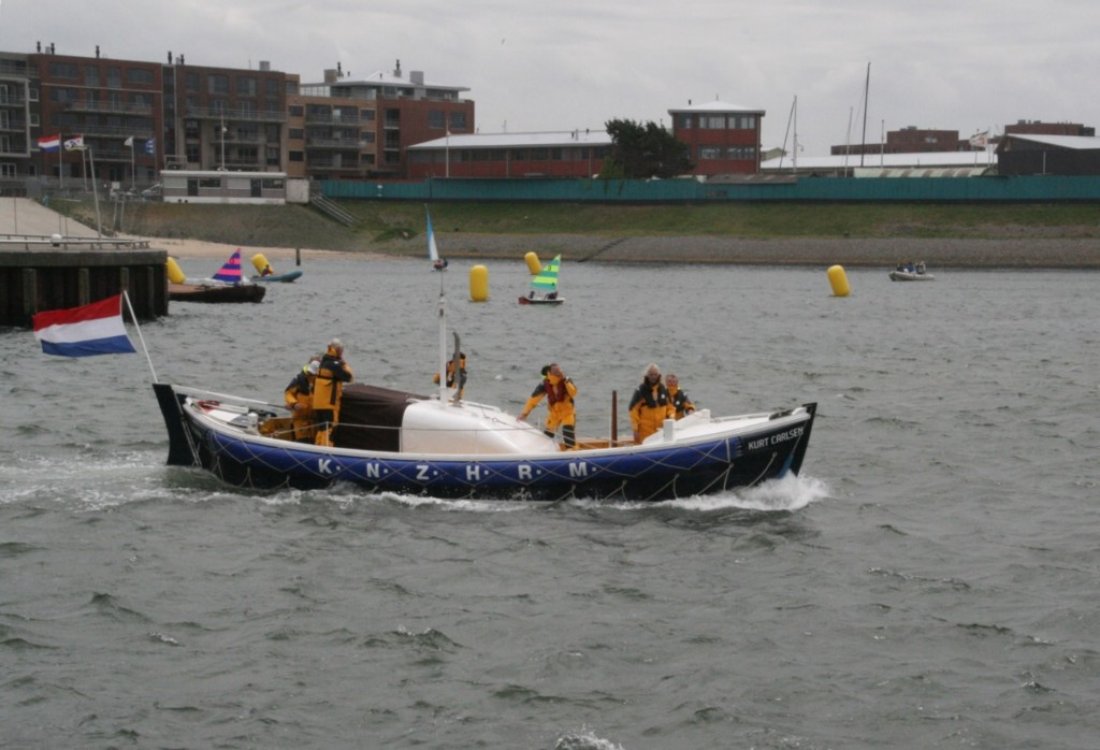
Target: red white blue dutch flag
(84,331)
(50,142)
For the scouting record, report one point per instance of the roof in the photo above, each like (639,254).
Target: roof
(924,159)
(518,140)
(382,78)
(1074,142)
(716,107)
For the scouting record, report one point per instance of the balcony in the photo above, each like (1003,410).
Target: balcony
(334,143)
(333,165)
(99,105)
(329,119)
(233,115)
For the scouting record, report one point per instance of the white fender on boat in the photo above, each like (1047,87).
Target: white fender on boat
(839,281)
(479,283)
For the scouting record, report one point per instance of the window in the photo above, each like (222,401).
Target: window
(296,134)
(64,70)
(741,153)
(62,95)
(217,84)
(296,110)
(458,121)
(272,157)
(7,169)
(709,152)
(246,86)
(743,122)
(114,78)
(367,115)
(139,77)
(436,119)
(191,82)
(91,75)
(712,122)
(296,156)
(684,121)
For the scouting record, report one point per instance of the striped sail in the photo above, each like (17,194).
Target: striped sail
(546,280)
(231,271)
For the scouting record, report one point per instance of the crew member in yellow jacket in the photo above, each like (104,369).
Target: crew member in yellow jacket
(328,388)
(299,399)
(451,375)
(650,405)
(680,401)
(559,393)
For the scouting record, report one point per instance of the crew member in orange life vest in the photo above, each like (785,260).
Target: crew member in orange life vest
(559,392)
(650,405)
(680,401)
(328,388)
(299,399)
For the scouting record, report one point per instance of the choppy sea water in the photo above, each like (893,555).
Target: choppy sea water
(929,580)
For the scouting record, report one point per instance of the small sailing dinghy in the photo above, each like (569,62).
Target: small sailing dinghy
(227,285)
(438,264)
(544,285)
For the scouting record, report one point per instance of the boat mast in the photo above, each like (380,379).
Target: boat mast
(866,93)
(443,343)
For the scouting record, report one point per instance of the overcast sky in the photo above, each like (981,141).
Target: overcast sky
(965,65)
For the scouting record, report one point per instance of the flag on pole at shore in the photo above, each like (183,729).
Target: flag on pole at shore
(151,146)
(84,331)
(129,142)
(50,142)
(76,143)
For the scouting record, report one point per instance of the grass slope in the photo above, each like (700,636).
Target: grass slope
(392,227)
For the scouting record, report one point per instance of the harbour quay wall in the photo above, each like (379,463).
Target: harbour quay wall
(49,273)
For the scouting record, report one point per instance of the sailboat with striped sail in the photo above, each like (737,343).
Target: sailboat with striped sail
(544,285)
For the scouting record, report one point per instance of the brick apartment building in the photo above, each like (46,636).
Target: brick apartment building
(346,128)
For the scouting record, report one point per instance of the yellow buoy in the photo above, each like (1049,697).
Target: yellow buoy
(533,264)
(262,266)
(479,283)
(175,273)
(839,281)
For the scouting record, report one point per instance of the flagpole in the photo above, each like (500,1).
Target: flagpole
(132,177)
(60,168)
(126,296)
(95,194)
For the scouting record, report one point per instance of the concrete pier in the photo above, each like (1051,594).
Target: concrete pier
(49,273)
(49,261)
